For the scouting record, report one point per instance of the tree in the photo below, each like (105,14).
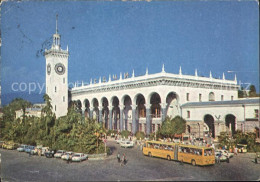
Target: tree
(170,127)
(252,91)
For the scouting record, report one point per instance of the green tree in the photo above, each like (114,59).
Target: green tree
(252,91)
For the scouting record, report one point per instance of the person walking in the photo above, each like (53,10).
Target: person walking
(118,157)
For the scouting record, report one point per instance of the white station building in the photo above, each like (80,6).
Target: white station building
(141,103)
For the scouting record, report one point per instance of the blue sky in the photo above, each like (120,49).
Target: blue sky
(112,37)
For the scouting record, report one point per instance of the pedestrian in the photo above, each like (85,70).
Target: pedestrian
(218,158)
(118,157)
(235,150)
(227,159)
(256,158)
(124,159)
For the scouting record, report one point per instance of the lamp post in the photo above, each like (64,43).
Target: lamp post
(199,130)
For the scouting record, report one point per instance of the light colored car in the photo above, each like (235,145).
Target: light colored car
(127,144)
(29,149)
(67,156)
(227,153)
(241,148)
(22,148)
(59,153)
(221,156)
(118,141)
(78,157)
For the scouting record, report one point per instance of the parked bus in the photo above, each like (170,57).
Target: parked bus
(196,155)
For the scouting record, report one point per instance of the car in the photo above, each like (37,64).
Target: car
(10,146)
(221,156)
(59,153)
(1,144)
(37,150)
(29,149)
(78,157)
(227,153)
(67,156)
(49,153)
(241,148)
(127,144)
(22,148)
(118,141)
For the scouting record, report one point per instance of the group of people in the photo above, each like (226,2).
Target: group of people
(122,161)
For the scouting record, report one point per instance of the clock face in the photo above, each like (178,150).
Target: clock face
(49,69)
(60,68)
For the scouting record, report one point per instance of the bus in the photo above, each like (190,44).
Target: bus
(195,155)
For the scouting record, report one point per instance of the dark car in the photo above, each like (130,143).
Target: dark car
(49,153)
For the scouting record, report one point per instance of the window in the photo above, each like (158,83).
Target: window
(63,80)
(200,97)
(232,97)
(188,96)
(63,98)
(153,128)
(140,127)
(55,89)
(158,126)
(222,97)
(55,107)
(256,113)
(211,96)
(188,114)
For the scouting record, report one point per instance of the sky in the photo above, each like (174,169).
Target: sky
(109,37)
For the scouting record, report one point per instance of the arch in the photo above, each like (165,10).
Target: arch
(94,102)
(139,100)
(155,101)
(78,106)
(115,113)
(209,120)
(95,105)
(127,114)
(211,96)
(230,123)
(105,112)
(86,104)
(172,105)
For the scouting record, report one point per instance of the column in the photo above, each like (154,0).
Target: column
(90,112)
(121,117)
(163,107)
(100,114)
(110,117)
(148,119)
(133,119)
(83,112)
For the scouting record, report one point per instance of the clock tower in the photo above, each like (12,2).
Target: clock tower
(57,75)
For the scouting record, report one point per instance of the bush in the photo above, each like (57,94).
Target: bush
(139,135)
(125,134)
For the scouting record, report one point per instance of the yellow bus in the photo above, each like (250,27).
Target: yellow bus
(196,155)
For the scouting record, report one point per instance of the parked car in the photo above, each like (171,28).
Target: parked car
(37,150)
(59,153)
(221,156)
(118,141)
(1,144)
(22,148)
(49,153)
(227,153)
(127,144)
(10,145)
(241,148)
(78,157)
(67,156)
(29,149)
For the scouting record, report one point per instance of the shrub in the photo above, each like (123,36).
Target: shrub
(125,133)
(139,135)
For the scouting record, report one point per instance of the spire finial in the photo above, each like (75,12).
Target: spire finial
(163,71)
(146,71)
(133,74)
(210,74)
(223,76)
(56,23)
(180,71)
(235,78)
(196,72)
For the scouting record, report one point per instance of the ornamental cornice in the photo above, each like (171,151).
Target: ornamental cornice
(56,53)
(133,84)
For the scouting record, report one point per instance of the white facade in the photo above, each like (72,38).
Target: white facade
(57,76)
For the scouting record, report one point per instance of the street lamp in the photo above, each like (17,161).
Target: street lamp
(199,130)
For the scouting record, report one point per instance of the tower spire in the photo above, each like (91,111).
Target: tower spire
(56,23)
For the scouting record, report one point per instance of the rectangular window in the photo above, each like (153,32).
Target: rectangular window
(188,114)
(256,113)
(200,97)
(158,126)
(140,127)
(232,97)
(55,107)
(55,89)
(188,96)
(63,80)
(153,128)
(222,97)
(63,98)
